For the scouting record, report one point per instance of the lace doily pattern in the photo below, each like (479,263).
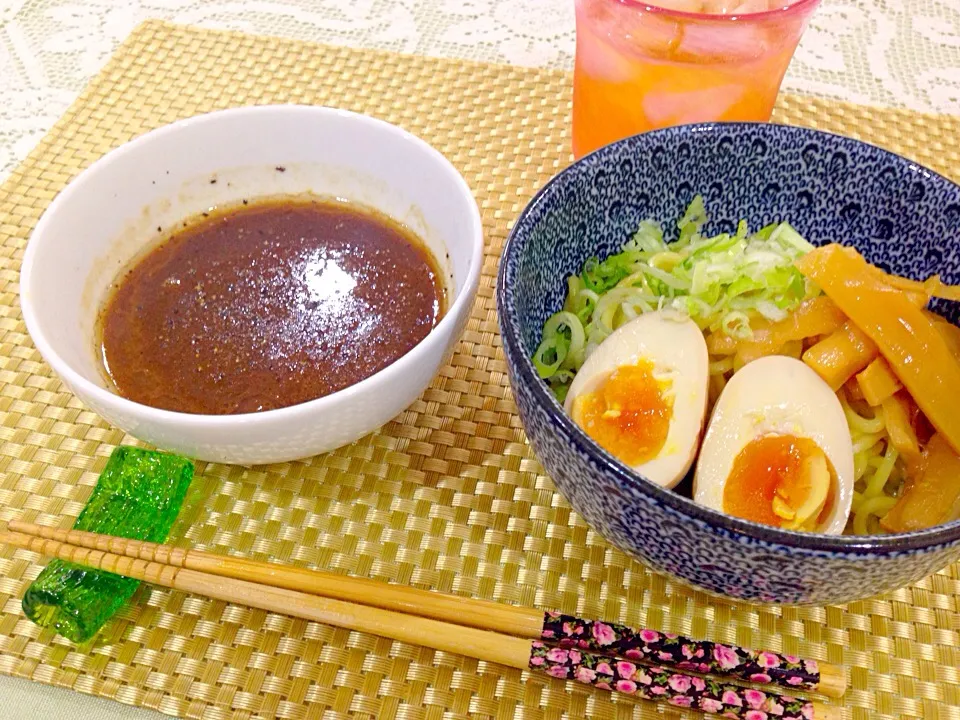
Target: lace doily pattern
(881,52)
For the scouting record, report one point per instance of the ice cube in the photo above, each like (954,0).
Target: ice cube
(720,7)
(612,45)
(664,107)
(738,7)
(723,40)
(689,6)
(601,60)
(753,6)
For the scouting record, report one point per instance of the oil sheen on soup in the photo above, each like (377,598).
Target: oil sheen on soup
(267,305)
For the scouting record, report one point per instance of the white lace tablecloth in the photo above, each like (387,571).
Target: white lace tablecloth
(879,52)
(884,52)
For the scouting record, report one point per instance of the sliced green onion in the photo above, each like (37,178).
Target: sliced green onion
(557,344)
(736,324)
(723,282)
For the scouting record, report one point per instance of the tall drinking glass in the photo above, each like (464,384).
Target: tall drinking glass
(640,67)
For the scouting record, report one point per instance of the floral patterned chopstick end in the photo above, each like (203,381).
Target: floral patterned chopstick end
(676,651)
(663,684)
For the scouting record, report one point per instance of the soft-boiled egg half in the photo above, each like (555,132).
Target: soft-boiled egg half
(778,450)
(642,394)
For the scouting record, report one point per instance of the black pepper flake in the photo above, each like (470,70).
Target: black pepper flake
(244,202)
(281,168)
(159,229)
(213,181)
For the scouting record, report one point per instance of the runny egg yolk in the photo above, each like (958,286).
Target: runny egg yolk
(780,480)
(628,414)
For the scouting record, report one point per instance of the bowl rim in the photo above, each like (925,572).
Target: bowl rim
(396,371)
(857,545)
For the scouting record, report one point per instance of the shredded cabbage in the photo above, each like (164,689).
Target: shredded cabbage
(722,282)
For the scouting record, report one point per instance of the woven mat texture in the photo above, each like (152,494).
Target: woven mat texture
(447,497)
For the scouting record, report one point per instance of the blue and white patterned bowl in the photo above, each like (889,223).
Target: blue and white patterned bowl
(903,217)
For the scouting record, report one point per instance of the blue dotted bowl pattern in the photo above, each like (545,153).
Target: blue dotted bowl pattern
(901,216)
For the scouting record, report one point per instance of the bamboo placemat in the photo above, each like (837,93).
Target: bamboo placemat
(447,497)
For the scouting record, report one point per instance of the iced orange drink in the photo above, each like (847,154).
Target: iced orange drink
(640,67)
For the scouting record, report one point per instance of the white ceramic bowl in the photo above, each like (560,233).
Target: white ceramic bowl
(110,212)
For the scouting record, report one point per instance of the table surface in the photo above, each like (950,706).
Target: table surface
(873,52)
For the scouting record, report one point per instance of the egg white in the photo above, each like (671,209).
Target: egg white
(776,395)
(675,346)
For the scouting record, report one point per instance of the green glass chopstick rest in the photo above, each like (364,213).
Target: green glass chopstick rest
(137,496)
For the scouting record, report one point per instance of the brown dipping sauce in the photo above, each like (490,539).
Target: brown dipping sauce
(267,305)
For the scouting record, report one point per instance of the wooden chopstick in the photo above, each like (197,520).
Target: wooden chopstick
(605,638)
(647,682)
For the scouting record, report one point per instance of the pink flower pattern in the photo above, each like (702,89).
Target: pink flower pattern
(557,655)
(768,660)
(586,675)
(664,683)
(732,698)
(710,705)
(726,657)
(679,652)
(754,698)
(626,686)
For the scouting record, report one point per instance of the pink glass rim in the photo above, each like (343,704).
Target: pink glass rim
(797,7)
